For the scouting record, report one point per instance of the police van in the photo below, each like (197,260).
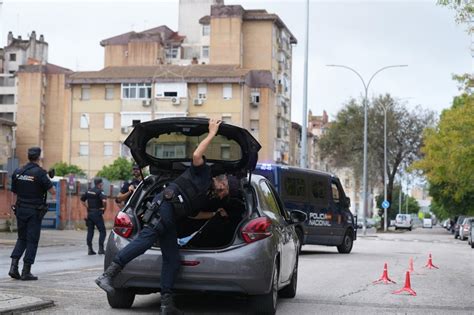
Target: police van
(321,196)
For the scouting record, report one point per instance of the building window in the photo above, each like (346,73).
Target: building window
(171,94)
(85,92)
(255,96)
(12,57)
(109,92)
(202,91)
(135,122)
(136,90)
(227,118)
(227,91)
(108,121)
(172,53)
(225,152)
(108,148)
(206,30)
(83,148)
(84,121)
(205,51)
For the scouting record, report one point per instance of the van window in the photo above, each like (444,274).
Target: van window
(319,190)
(294,187)
(336,197)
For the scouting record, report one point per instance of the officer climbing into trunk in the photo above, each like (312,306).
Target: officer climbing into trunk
(186,196)
(95,201)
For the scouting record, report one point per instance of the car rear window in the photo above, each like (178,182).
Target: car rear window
(176,145)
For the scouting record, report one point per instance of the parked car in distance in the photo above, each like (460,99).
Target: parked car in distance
(256,256)
(427,223)
(465,228)
(470,238)
(457,225)
(403,221)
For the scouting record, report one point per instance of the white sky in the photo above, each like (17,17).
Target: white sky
(365,35)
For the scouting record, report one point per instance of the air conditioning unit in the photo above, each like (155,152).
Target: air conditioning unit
(146,103)
(175,100)
(125,130)
(198,101)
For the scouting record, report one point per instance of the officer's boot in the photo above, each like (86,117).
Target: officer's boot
(26,274)
(91,251)
(14,273)
(106,279)
(101,249)
(167,305)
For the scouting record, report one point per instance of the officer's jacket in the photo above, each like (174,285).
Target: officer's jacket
(135,182)
(30,183)
(94,198)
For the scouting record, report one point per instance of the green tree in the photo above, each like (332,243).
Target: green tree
(120,169)
(413,206)
(64,169)
(342,144)
(464,11)
(448,158)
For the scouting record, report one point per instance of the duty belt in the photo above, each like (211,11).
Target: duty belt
(94,209)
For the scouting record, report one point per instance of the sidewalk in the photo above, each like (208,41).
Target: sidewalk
(14,304)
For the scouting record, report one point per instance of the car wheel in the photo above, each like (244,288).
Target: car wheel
(472,244)
(347,242)
(290,290)
(267,303)
(409,229)
(121,299)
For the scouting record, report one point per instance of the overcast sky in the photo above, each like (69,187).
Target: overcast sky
(365,35)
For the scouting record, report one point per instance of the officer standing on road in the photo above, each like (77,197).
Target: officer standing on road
(186,196)
(30,184)
(129,186)
(95,201)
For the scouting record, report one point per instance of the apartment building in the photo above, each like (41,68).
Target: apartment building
(106,104)
(7,142)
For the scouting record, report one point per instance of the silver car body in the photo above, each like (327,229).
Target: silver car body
(464,228)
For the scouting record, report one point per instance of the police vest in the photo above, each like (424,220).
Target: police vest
(195,197)
(28,187)
(94,198)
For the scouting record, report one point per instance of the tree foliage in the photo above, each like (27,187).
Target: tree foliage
(413,206)
(120,169)
(464,10)
(343,142)
(448,160)
(64,169)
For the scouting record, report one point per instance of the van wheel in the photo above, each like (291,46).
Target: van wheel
(409,229)
(347,242)
(267,303)
(290,290)
(122,298)
(472,244)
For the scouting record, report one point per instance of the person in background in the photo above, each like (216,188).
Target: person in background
(95,202)
(129,186)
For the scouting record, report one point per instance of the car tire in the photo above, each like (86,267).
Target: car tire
(409,229)
(300,237)
(472,244)
(289,291)
(347,243)
(121,299)
(267,303)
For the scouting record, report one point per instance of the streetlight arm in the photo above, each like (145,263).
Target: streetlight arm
(351,69)
(380,70)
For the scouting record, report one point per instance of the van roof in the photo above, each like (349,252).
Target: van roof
(270,166)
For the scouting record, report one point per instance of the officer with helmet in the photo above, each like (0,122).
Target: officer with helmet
(95,201)
(30,184)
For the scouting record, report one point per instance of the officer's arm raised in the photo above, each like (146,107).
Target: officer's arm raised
(201,148)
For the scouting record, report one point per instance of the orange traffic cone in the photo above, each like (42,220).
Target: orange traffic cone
(429,264)
(407,287)
(385,279)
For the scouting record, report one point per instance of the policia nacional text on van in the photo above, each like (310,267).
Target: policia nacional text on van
(320,195)
(30,184)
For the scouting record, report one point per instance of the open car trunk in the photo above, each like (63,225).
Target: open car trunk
(216,233)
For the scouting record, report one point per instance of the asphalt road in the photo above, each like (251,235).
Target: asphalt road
(329,283)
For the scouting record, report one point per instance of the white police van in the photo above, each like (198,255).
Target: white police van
(320,195)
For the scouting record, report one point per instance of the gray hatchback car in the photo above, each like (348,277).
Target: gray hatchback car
(257,255)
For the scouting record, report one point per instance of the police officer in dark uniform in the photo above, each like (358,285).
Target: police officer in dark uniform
(95,201)
(129,186)
(186,196)
(30,184)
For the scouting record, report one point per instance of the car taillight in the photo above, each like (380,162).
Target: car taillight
(257,229)
(123,225)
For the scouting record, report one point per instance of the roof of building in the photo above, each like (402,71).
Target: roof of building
(7,122)
(249,15)
(162,34)
(48,68)
(175,73)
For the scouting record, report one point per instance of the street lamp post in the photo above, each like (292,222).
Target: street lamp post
(384,165)
(364,178)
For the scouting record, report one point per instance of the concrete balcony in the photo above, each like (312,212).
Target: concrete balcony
(7,108)
(7,90)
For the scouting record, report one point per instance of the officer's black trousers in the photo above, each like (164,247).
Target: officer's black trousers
(95,219)
(166,233)
(29,229)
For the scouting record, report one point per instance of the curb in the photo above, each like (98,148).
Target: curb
(27,307)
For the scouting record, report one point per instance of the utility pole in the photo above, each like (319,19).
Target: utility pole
(304,122)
